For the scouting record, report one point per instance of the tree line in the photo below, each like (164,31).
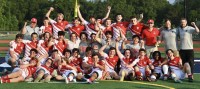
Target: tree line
(13,13)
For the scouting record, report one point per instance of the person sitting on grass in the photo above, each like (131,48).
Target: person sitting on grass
(143,67)
(68,71)
(44,71)
(160,67)
(21,73)
(178,69)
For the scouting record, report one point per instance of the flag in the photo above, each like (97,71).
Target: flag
(75,9)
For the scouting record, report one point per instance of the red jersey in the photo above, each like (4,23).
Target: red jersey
(58,26)
(63,68)
(108,29)
(77,29)
(48,29)
(112,61)
(48,68)
(60,46)
(31,70)
(29,46)
(144,62)
(150,36)
(17,47)
(137,29)
(76,62)
(122,25)
(174,62)
(156,63)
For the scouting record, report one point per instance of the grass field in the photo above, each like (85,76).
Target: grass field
(160,84)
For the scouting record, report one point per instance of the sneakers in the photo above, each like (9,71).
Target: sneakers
(176,80)
(89,81)
(74,80)
(190,79)
(139,78)
(148,79)
(165,78)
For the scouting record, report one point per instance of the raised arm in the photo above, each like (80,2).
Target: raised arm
(97,37)
(49,12)
(79,14)
(141,17)
(23,31)
(195,26)
(118,52)
(101,50)
(107,14)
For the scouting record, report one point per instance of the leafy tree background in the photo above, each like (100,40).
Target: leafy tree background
(13,13)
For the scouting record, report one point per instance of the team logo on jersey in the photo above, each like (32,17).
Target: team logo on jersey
(137,28)
(78,28)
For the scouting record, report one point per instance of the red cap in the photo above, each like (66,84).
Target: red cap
(34,20)
(150,21)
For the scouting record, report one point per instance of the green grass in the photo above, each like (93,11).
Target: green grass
(108,85)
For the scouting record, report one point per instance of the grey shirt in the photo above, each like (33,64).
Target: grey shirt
(169,36)
(185,34)
(29,31)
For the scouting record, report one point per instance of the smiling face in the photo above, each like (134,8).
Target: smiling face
(108,23)
(112,53)
(183,23)
(168,24)
(134,21)
(48,62)
(170,53)
(127,53)
(60,17)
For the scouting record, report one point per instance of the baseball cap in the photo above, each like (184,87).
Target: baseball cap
(150,21)
(34,20)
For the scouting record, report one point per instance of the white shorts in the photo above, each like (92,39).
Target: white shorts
(98,71)
(24,72)
(178,72)
(142,70)
(44,69)
(150,49)
(67,72)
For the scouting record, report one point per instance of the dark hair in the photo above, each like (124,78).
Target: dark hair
(134,36)
(167,20)
(66,50)
(169,50)
(35,50)
(34,34)
(76,18)
(51,61)
(142,50)
(183,19)
(133,17)
(75,49)
(92,34)
(95,54)
(55,50)
(72,34)
(61,33)
(84,34)
(109,32)
(112,48)
(91,17)
(19,36)
(89,49)
(128,50)
(156,52)
(118,14)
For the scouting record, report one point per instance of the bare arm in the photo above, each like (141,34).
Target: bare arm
(141,17)
(118,52)
(101,50)
(79,14)
(24,28)
(195,26)
(107,14)
(49,12)
(97,37)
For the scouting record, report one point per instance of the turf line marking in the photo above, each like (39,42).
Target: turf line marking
(62,82)
(158,85)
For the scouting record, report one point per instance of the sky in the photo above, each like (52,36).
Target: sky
(171,1)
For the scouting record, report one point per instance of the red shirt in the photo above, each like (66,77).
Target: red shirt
(77,62)
(112,61)
(64,67)
(60,45)
(128,60)
(48,68)
(122,25)
(48,29)
(108,29)
(61,25)
(77,29)
(144,62)
(157,62)
(150,36)
(31,70)
(137,29)
(174,62)
(19,47)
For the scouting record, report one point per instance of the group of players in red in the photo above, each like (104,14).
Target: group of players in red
(96,50)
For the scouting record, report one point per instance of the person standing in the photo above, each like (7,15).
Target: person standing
(150,36)
(28,30)
(186,43)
